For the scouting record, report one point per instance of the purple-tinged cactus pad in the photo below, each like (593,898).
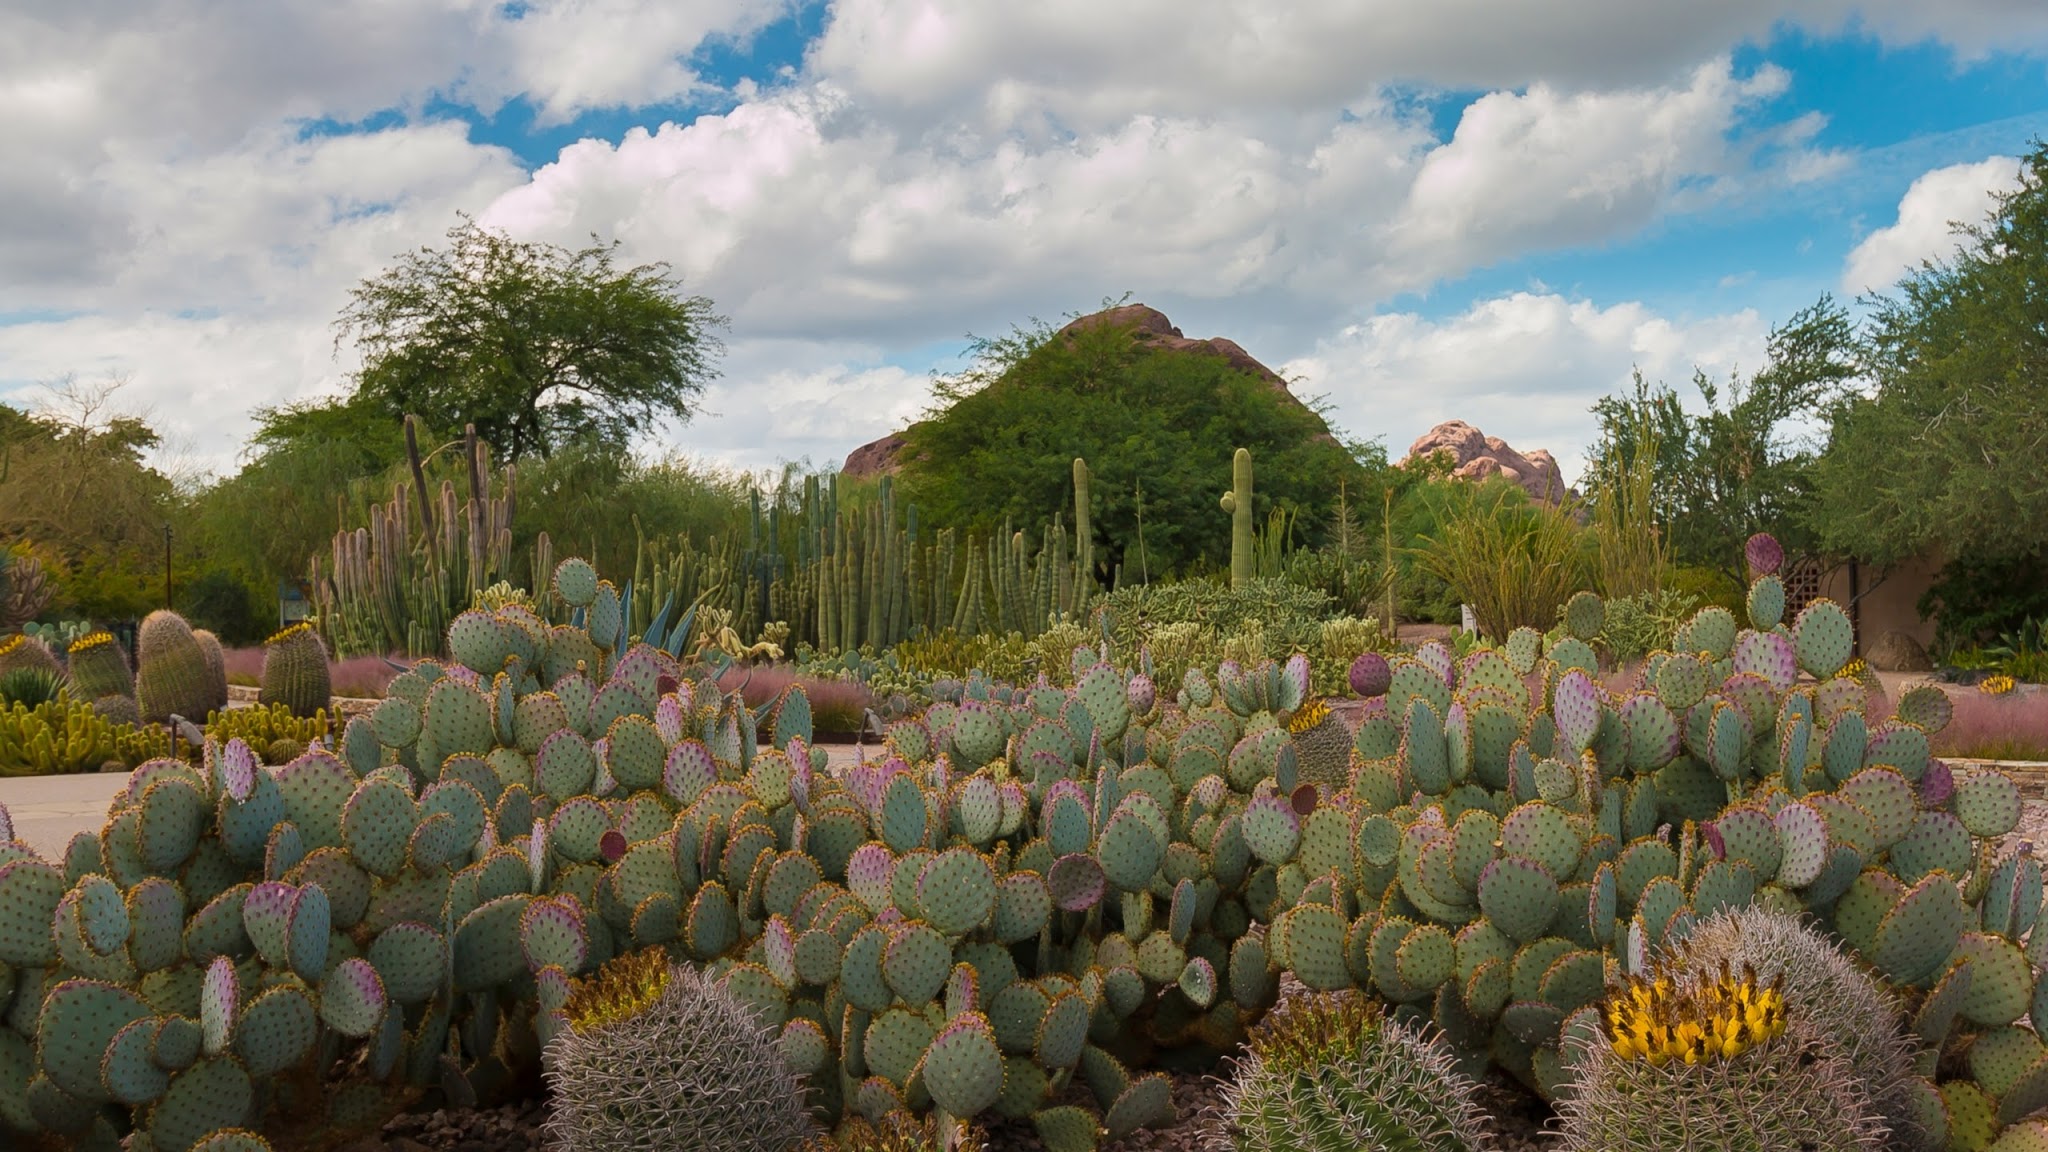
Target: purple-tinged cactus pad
(1576,707)
(1370,675)
(1768,655)
(1764,554)
(1077,882)
(352,998)
(1937,785)
(219,997)
(235,768)
(552,933)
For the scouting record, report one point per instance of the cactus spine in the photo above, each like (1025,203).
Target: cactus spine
(1238,502)
(170,670)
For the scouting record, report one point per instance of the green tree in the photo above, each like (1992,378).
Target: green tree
(1943,456)
(1740,466)
(77,486)
(535,345)
(307,466)
(999,444)
(1945,453)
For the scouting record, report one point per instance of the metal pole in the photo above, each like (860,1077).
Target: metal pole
(167,567)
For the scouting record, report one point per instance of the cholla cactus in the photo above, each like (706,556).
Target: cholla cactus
(1333,1072)
(656,1056)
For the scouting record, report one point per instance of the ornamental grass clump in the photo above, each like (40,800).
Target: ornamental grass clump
(656,1056)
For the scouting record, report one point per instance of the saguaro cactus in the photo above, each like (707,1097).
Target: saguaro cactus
(1238,502)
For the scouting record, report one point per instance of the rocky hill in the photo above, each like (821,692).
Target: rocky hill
(1150,328)
(1477,456)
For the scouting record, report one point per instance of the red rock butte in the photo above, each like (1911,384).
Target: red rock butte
(1149,328)
(1477,456)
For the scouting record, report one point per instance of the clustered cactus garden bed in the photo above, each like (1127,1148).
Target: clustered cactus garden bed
(1726,908)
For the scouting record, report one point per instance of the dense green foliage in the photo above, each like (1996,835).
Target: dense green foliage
(1154,425)
(535,345)
(1944,454)
(1737,467)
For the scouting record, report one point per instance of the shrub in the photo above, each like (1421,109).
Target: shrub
(1515,562)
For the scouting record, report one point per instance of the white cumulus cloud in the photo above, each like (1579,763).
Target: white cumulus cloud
(1526,367)
(1928,215)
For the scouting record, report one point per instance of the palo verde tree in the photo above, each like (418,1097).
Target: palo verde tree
(535,345)
(1943,456)
(1740,466)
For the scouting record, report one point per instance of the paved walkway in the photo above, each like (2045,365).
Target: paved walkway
(49,810)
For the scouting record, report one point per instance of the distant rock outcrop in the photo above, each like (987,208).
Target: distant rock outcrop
(1477,456)
(1150,328)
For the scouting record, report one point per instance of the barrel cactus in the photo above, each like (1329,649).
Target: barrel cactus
(295,671)
(99,667)
(216,668)
(1844,1007)
(24,651)
(1332,1073)
(657,1056)
(171,677)
(1693,1058)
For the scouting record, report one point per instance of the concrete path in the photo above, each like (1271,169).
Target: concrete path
(49,810)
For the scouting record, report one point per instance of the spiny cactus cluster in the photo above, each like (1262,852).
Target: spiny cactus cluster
(957,929)
(1514,833)
(1330,1073)
(657,1057)
(1697,1053)
(1033,888)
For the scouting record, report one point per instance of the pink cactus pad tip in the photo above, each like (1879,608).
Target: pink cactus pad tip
(1764,553)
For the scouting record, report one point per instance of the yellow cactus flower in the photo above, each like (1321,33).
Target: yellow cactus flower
(624,987)
(1997,685)
(1312,712)
(1658,1020)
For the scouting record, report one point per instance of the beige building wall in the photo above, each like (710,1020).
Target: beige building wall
(1883,600)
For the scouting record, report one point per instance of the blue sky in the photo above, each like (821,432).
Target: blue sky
(1477,211)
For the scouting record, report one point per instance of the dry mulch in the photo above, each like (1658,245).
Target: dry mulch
(1518,1126)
